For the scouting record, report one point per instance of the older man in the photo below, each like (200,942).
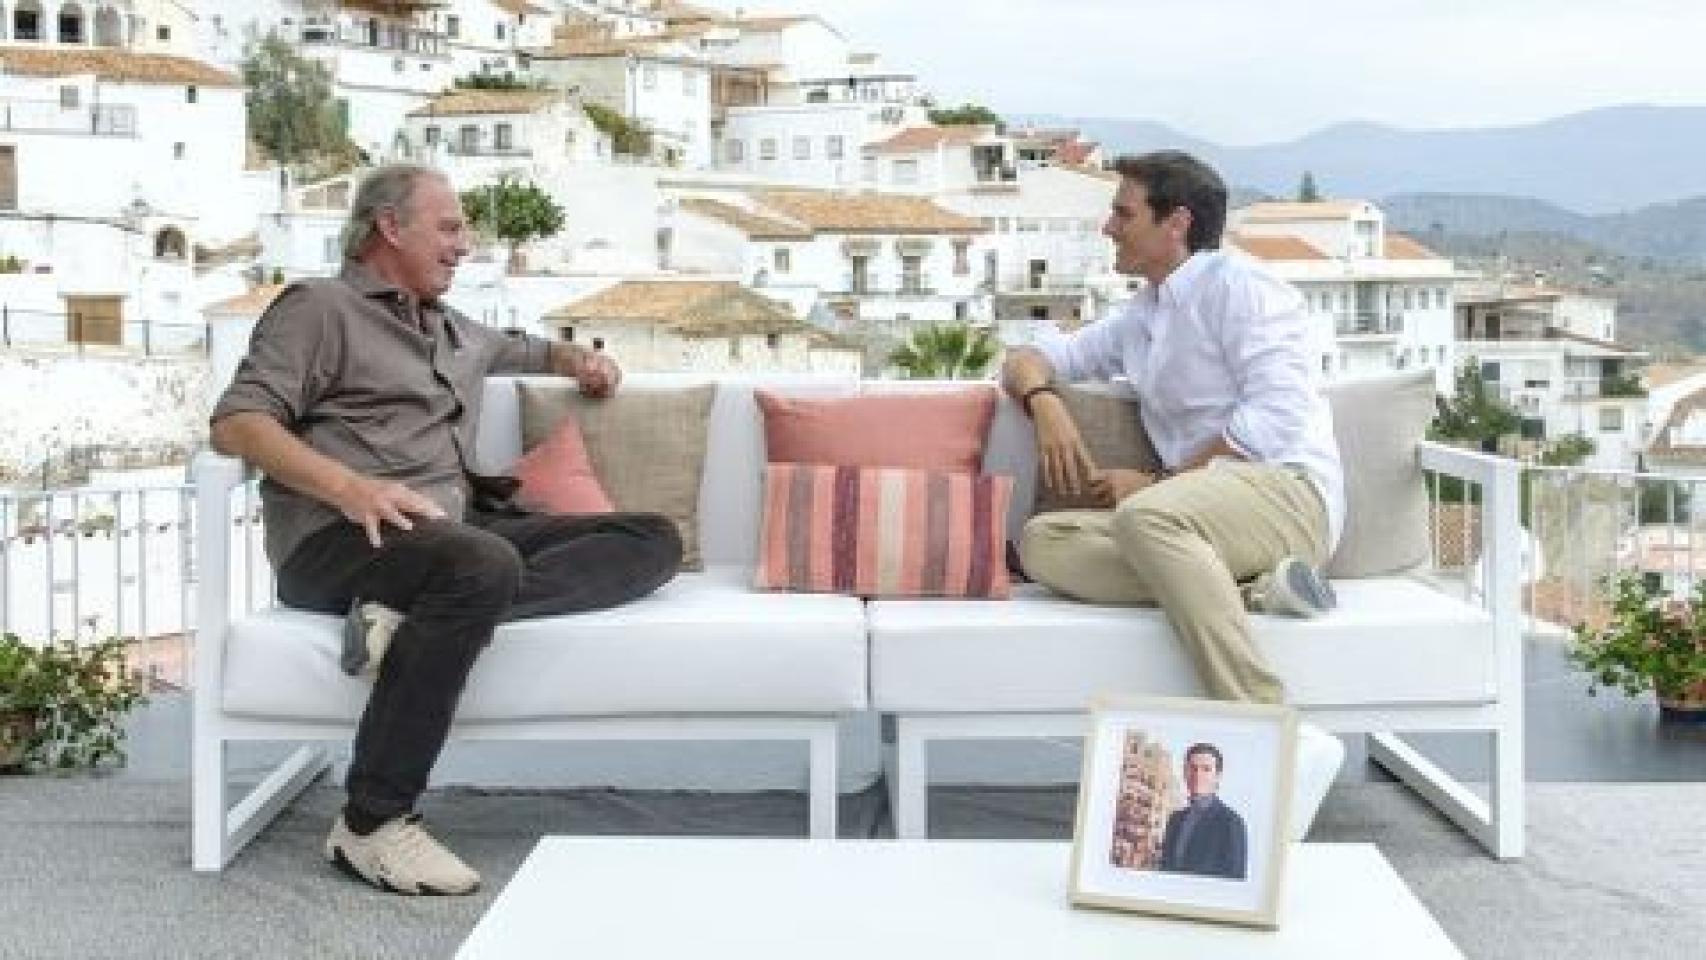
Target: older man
(1250,489)
(358,400)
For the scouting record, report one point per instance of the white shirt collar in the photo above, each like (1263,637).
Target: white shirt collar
(1177,287)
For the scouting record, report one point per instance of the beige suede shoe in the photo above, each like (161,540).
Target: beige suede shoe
(400,857)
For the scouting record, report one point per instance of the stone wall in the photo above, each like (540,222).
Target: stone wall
(62,415)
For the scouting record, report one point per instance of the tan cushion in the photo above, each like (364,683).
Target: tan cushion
(1106,415)
(1378,422)
(647,445)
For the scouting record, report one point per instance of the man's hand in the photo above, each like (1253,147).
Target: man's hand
(370,502)
(597,374)
(1067,466)
(1113,485)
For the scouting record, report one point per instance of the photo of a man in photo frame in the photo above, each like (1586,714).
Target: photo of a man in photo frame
(1205,837)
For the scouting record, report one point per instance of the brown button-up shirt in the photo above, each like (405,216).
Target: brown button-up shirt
(343,365)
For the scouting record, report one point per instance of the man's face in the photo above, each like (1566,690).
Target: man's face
(1201,775)
(431,239)
(1144,245)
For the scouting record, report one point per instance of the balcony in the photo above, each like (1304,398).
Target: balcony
(1368,324)
(50,116)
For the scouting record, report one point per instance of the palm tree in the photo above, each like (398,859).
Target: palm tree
(946,353)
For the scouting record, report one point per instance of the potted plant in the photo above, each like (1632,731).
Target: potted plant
(62,704)
(1649,642)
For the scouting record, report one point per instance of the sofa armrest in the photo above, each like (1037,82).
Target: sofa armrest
(1502,539)
(215,477)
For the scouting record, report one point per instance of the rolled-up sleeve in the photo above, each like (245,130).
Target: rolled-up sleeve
(516,352)
(290,361)
(1265,337)
(1091,352)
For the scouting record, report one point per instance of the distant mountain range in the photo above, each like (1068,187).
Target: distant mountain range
(1599,162)
(1674,232)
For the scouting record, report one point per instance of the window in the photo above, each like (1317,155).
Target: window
(905,171)
(332,253)
(773,341)
(784,260)
(802,148)
(911,274)
(163,34)
(1610,419)
(8,177)
(568,334)
(503,137)
(736,150)
(26,25)
(453,26)
(649,77)
(598,343)
(178,150)
(860,281)
(962,258)
(1326,365)
(470,138)
(962,311)
(835,147)
(191,94)
(1409,299)
(69,97)
(1489,371)
(499,32)
(432,134)
(767,149)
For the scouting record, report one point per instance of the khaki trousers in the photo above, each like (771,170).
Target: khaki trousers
(1185,543)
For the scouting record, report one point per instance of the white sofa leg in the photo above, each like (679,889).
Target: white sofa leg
(1509,824)
(824,789)
(207,805)
(909,794)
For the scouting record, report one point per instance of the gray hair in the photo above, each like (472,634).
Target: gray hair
(391,186)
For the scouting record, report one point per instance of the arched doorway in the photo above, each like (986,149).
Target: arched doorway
(27,20)
(170,244)
(109,28)
(72,24)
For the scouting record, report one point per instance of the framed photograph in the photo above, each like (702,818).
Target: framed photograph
(1183,809)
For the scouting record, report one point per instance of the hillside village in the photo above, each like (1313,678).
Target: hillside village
(740,191)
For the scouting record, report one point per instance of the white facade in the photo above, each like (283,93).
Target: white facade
(534,142)
(809,144)
(485,36)
(666,87)
(149,26)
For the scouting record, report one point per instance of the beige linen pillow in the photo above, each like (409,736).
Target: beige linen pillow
(1378,423)
(646,444)
(1106,415)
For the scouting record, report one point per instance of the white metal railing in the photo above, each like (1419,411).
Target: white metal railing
(96,562)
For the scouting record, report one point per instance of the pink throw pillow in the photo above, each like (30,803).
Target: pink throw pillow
(557,477)
(884,532)
(942,430)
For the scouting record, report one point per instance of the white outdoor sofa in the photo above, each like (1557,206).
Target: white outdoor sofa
(709,659)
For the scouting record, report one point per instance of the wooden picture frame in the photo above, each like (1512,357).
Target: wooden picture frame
(1184,808)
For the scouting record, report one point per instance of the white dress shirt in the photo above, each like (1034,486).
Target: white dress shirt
(1220,350)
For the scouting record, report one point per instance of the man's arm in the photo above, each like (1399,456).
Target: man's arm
(1065,459)
(264,443)
(595,372)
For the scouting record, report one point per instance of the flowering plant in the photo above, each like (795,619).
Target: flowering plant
(1649,642)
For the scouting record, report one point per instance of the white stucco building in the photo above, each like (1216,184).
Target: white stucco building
(476,135)
(1379,301)
(663,83)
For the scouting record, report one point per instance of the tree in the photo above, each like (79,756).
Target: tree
(946,353)
(1475,414)
(970,114)
(627,137)
(292,113)
(513,212)
(1569,450)
(1307,192)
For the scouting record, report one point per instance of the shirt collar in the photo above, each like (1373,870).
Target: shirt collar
(369,284)
(1176,289)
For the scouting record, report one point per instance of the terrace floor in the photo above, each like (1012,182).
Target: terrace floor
(97,866)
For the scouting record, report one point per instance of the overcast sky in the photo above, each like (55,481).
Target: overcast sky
(1254,71)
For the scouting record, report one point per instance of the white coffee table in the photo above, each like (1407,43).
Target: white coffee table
(752,899)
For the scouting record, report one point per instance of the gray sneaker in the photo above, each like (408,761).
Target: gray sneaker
(367,635)
(1292,589)
(400,857)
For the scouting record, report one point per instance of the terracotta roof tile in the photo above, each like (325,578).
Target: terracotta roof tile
(455,103)
(1288,210)
(250,304)
(756,226)
(1400,247)
(834,212)
(1276,248)
(766,24)
(921,139)
(114,66)
(687,308)
(520,8)
(1073,154)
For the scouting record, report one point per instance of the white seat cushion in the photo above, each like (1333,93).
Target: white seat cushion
(1392,641)
(704,644)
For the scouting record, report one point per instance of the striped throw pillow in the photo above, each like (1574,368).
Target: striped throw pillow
(883,531)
